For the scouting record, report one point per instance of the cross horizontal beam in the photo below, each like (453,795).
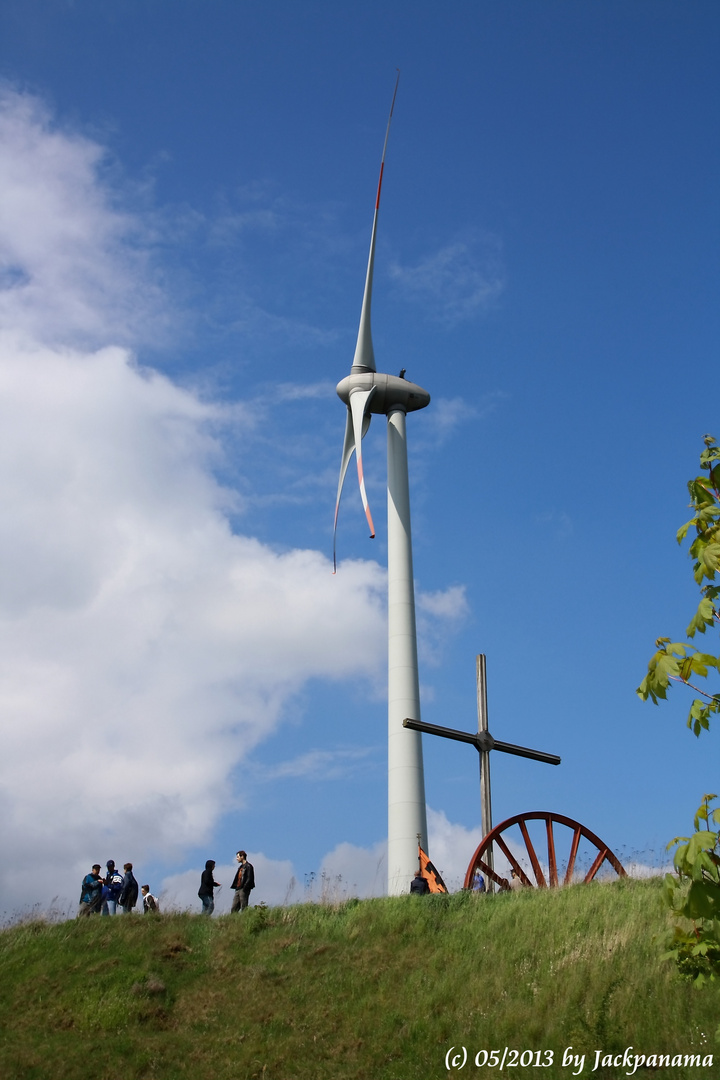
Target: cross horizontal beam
(482,741)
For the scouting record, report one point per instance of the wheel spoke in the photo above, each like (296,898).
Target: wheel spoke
(539,876)
(552,861)
(597,864)
(573,856)
(513,861)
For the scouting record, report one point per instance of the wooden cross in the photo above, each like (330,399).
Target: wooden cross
(483,743)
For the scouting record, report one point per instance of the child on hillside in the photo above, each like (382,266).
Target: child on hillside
(150,903)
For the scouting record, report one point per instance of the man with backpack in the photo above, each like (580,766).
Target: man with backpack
(150,902)
(243,882)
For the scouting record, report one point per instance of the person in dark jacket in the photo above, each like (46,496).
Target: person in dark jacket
(91,892)
(419,884)
(129,893)
(243,882)
(207,886)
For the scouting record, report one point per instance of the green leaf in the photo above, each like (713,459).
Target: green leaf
(699,716)
(698,664)
(704,617)
(682,531)
(702,903)
(700,493)
(708,561)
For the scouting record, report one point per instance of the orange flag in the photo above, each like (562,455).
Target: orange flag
(430,874)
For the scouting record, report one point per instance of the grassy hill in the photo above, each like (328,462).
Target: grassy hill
(368,990)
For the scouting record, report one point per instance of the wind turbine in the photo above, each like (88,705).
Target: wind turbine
(366,391)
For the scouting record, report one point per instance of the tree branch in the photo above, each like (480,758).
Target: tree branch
(676,678)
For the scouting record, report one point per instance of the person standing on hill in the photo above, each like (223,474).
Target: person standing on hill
(129,893)
(91,892)
(419,885)
(208,884)
(113,885)
(243,882)
(478,883)
(515,881)
(150,903)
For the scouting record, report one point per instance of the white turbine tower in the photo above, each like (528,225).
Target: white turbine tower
(365,391)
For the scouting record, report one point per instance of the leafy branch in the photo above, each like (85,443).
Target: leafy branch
(693,891)
(693,895)
(678,661)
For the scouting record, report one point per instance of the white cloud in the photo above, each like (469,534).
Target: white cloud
(303,392)
(439,614)
(458,281)
(349,870)
(273,329)
(73,265)
(226,228)
(447,414)
(145,647)
(450,603)
(638,869)
(316,765)
(558,522)
(451,847)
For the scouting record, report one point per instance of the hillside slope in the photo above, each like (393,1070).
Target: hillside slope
(371,990)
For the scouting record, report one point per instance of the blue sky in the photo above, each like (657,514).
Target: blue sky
(188,192)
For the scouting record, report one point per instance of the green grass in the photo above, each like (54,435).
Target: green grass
(368,990)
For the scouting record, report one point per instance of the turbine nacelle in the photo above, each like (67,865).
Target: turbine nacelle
(385,392)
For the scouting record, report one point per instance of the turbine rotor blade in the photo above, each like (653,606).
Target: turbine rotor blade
(347,452)
(364,358)
(358,417)
(358,405)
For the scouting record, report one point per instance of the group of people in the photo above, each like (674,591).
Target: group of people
(420,886)
(104,895)
(243,883)
(514,882)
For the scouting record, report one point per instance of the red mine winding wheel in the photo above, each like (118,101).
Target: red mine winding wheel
(495,836)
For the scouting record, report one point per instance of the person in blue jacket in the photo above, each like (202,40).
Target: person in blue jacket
(91,892)
(112,890)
